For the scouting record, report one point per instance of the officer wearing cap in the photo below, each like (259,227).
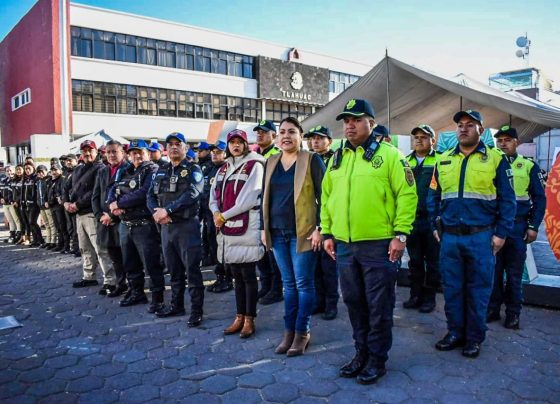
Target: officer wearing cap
(139,237)
(362,177)
(223,281)
(423,249)
(531,205)
(271,280)
(191,156)
(472,197)
(381,133)
(173,199)
(326,275)
(156,154)
(204,159)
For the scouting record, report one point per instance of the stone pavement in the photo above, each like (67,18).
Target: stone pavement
(76,346)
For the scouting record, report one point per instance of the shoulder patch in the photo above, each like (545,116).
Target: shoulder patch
(197,176)
(409,176)
(509,172)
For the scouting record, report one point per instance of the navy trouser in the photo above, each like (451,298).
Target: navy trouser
(367,281)
(326,281)
(181,245)
(423,250)
(140,252)
(511,261)
(467,270)
(210,245)
(270,276)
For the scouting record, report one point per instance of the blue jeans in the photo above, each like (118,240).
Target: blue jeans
(298,276)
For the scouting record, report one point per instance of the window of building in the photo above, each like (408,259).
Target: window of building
(21,99)
(338,82)
(280,110)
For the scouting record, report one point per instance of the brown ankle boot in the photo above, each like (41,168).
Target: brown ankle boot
(301,341)
(248,327)
(286,342)
(236,326)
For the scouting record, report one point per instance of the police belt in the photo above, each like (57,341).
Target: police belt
(137,222)
(464,230)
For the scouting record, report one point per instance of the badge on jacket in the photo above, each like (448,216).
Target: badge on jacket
(132,184)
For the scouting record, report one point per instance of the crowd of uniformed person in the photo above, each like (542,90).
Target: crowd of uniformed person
(301,222)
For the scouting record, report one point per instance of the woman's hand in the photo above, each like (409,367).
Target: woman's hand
(218,220)
(316,240)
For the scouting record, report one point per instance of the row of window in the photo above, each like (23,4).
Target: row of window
(97,44)
(277,111)
(338,82)
(21,99)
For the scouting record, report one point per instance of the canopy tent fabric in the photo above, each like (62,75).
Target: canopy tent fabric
(100,138)
(413,96)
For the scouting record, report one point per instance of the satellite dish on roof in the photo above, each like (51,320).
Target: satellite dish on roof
(521,41)
(519,53)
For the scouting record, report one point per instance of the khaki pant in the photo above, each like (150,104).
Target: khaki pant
(48,221)
(12,217)
(92,254)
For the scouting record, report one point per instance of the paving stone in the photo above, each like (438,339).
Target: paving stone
(161,377)
(179,362)
(61,361)
(60,398)
(85,384)
(140,394)
(240,395)
(292,376)
(12,389)
(46,388)
(280,392)
(129,356)
(310,400)
(8,375)
(28,363)
(319,388)
(203,398)
(99,396)
(256,380)
(387,394)
(349,397)
(144,366)
(72,372)
(218,384)
(179,390)
(531,391)
(123,381)
(424,373)
(457,398)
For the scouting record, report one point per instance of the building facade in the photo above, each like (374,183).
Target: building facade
(80,69)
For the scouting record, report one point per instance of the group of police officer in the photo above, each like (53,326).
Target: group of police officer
(464,215)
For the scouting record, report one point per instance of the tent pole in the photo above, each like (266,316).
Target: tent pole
(460,103)
(388,92)
(509,119)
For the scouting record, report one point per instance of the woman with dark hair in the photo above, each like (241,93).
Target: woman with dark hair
(290,209)
(17,192)
(234,202)
(31,208)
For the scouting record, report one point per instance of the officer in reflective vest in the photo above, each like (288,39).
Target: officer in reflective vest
(138,235)
(531,205)
(423,248)
(471,196)
(368,205)
(173,199)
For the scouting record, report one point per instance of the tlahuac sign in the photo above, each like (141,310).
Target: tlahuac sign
(292,81)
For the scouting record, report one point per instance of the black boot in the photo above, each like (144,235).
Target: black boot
(355,366)
(414,302)
(372,372)
(137,296)
(512,321)
(17,237)
(223,285)
(157,302)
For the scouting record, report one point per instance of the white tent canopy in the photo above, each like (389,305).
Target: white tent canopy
(100,138)
(414,96)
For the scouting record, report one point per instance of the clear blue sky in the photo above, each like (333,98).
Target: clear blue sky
(445,36)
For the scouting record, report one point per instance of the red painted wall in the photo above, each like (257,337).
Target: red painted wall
(30,58)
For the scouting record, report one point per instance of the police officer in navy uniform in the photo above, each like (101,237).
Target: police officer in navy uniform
(156,153)
(204,159)
(423,248)
(472,197)
(173,200)
(138,234)
(326,274)
(531,205)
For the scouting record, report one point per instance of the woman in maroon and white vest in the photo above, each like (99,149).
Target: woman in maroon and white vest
(235,202)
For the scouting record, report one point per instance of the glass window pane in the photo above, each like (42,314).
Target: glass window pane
(109,51)
(131,106)
(85,33)
(121,106)
(140,41)
(170,59)
(181,61)
(76,102)
(121,52)
(99,50)
(131,54)
(152,107)
(85,48)
(87,103)
(161,60)
(150,56)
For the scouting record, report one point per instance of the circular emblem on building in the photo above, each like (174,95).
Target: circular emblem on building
(297,81)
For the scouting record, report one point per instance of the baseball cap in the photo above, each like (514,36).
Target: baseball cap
(176,135)
(470,113)
(427,129)
(319,130)
(381,130)
(71,157)
(88,143)
(42,168)
(237,133)
(203,146)
(63,157)
(265,125)
(355,107)
(155,146)
(56,166)
(137,144)
(507,130)
(191,154)
(220,145)
(102,148)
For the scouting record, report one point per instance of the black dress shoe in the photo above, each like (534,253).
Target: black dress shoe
(493,315)
(413,303)
(222,286)
(133,299)
(194,320)
(329,314)
(371,373)
(106,289)
(512,321)
(170,311)
(119,290)
(355,366)
(43,245)
(318,309)
(262,293)
(449,342)
(84,283)
(156,307)
(65,251)
(271,298)
(427,307)
(471,349)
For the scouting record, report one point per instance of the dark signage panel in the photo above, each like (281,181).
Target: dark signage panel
(290,81)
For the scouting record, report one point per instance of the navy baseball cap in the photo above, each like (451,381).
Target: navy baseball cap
(470,113)
(381,130)
(507,130)
(427,129)
(71,156)
(356,107)
(176,135)
(56,166)
(191,154)
(137,144)
(203,146)
(265,125)
(155,146)
(42,168)
(220,145)
(320,131)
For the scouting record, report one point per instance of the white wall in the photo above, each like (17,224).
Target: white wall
(161,77)
(49,145)
(115,21)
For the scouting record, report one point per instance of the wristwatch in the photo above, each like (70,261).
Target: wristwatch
(401,238)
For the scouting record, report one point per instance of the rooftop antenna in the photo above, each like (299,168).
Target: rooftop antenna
(523,43)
